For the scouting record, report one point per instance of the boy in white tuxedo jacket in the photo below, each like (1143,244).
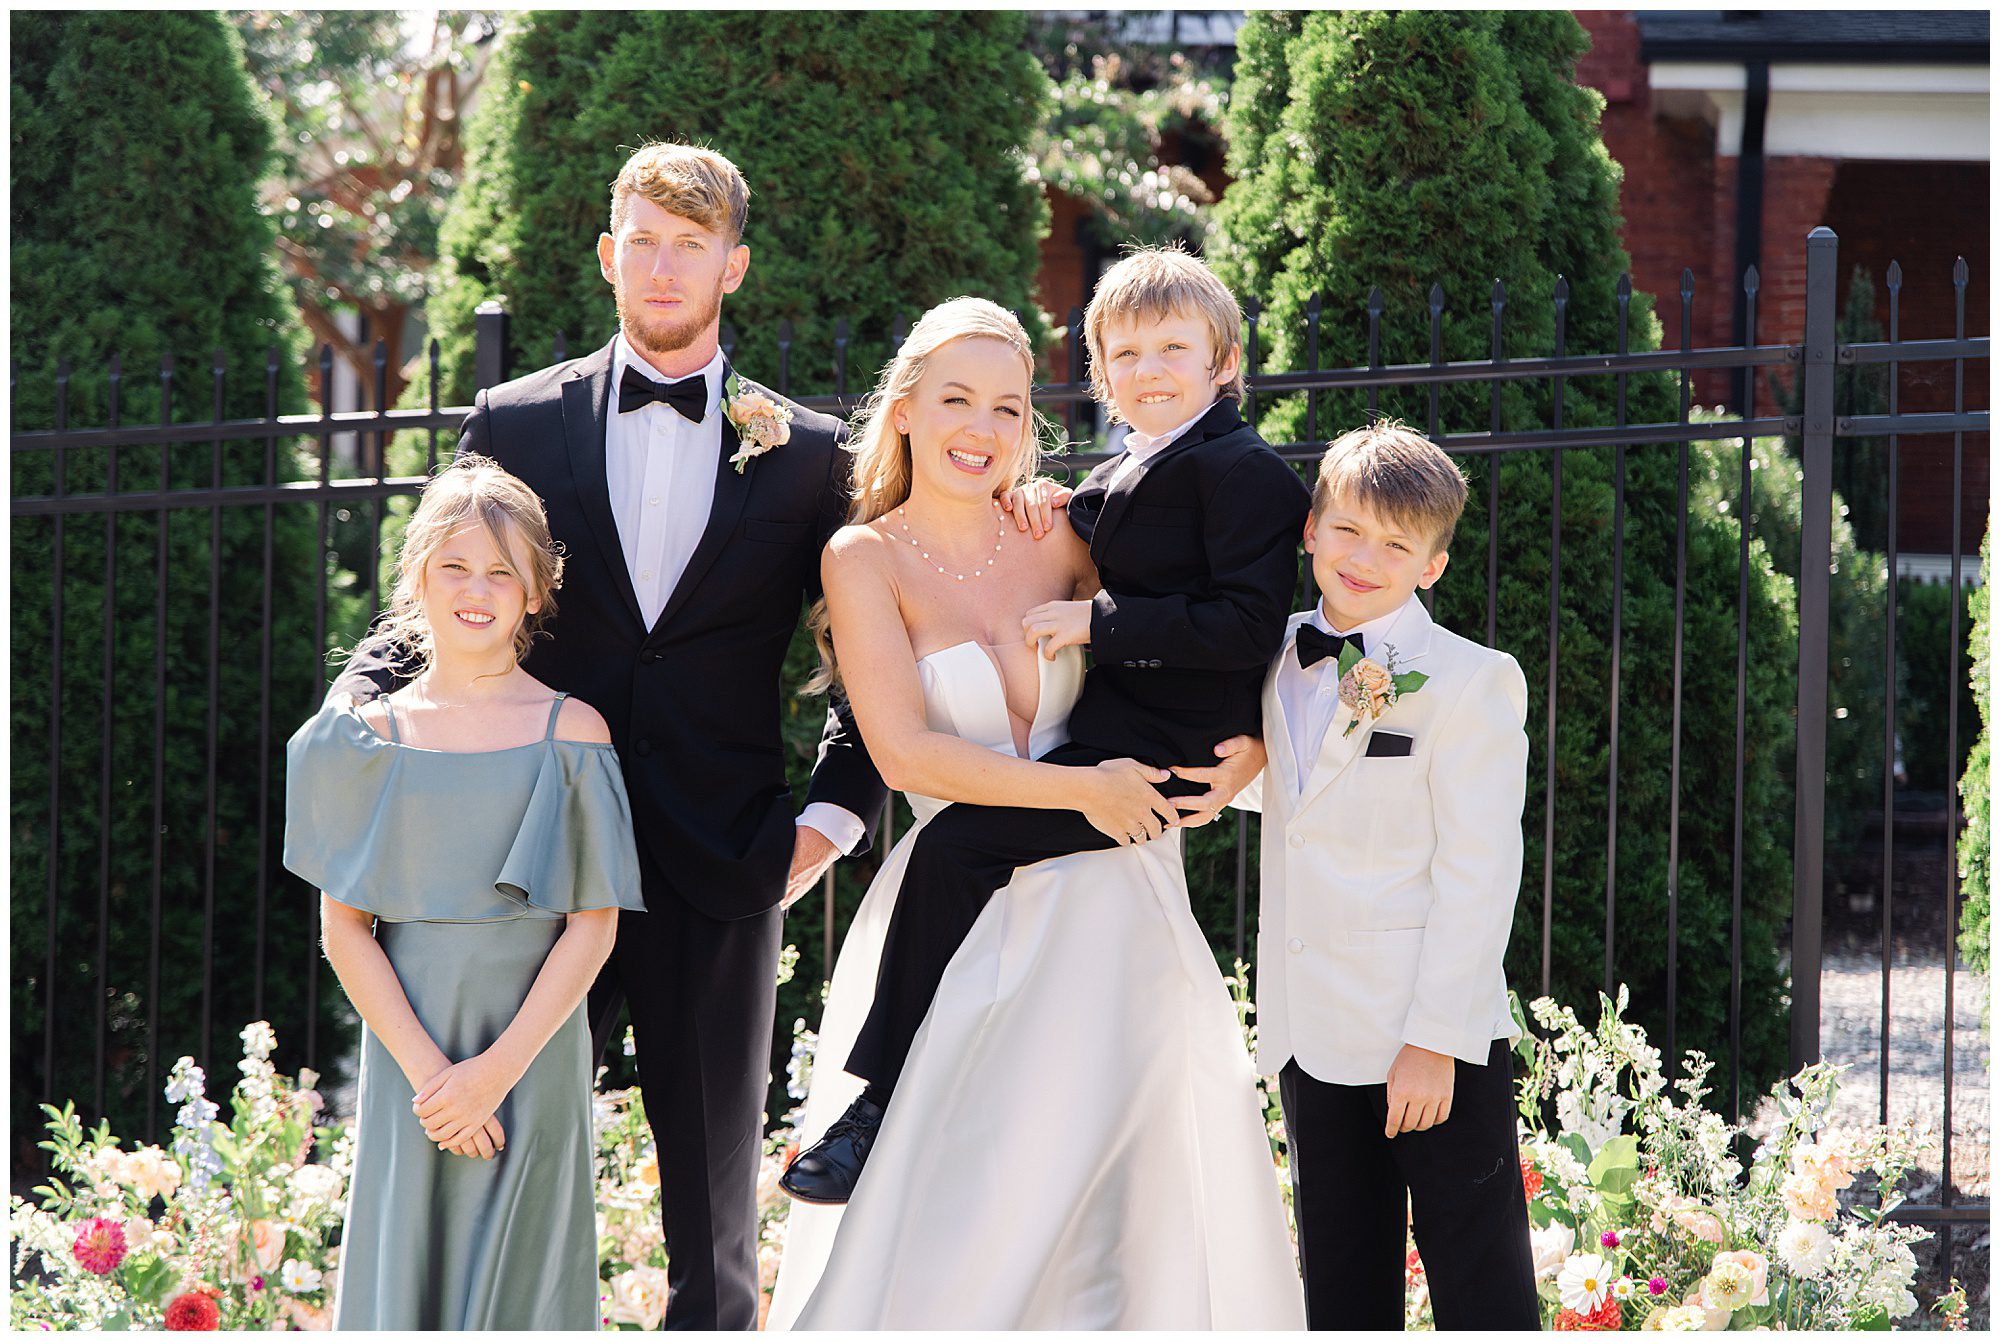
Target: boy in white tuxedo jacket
(1391,859)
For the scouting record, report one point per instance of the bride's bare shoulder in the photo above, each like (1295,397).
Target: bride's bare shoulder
(858,545)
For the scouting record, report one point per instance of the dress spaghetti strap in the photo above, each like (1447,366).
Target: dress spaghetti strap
(390,708)
(555,711)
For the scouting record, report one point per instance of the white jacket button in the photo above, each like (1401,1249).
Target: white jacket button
(1295,945)
(1298,840)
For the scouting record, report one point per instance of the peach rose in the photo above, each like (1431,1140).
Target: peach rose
(266,1244)
(1808,1195)
(1700,1223)
(1368,689)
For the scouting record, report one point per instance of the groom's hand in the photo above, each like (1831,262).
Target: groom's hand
(1034,505)
(1242,760)
(1420,1083)
(812,853)
(1056,625)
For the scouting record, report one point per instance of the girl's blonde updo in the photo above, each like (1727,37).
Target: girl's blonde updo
(881,455)
(473,490)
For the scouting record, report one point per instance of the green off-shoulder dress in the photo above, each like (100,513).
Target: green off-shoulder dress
(468,862)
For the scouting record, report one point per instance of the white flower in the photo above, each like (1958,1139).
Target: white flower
(1623,1288)
(300,1277)
(639,1297)
(1583,1282)
(1550,1247)
(258,1040)
(315,1182)
(1805,1248)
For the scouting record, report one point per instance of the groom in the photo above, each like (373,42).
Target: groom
(690,546)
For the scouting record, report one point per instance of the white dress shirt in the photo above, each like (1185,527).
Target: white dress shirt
(1312,697)
(1140,448)
(660,469)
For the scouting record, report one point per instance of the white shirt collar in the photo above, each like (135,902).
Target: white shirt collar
(1140,445)
(625,356)
(1371,631)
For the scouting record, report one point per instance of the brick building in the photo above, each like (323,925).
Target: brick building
(1740,131)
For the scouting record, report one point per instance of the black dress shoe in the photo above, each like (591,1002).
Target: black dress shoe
(826,1171)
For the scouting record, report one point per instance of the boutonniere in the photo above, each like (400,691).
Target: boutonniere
(760,422)
(1369,688)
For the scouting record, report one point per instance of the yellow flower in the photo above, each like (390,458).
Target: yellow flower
(647,1170)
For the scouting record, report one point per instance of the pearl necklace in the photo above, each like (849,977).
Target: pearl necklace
(1001,535)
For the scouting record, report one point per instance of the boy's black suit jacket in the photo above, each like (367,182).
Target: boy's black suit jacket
(693,702)
(1197,548)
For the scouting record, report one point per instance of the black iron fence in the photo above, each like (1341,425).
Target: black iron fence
(122,845)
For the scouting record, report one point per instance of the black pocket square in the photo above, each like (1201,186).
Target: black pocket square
(1388,745)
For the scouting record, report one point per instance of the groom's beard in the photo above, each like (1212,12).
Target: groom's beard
(658,333)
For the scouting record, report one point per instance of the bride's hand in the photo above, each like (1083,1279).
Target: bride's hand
(1121,803)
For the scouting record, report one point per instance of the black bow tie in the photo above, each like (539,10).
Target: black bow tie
(689,395)
(1315,647)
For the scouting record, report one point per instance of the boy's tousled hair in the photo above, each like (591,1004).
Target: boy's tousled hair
(1156,282)
(1399,474)
(687,180)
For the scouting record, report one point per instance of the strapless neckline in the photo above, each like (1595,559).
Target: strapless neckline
(972,652)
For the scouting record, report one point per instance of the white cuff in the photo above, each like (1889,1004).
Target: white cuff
(837,824)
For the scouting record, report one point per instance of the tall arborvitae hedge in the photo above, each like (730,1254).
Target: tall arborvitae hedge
(137,149)
(1975,788)
(884,152)
(886,157)
(1408,149)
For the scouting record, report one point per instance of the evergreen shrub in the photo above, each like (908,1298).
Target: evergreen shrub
(138,145)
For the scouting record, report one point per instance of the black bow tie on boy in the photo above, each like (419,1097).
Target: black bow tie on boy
(1315,647)
(689,395)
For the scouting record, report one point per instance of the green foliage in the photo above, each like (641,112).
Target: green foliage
(1404,149)
(1857,606)
(1104,139)
(884,152)
(138,147)
(1975,788)
(371,149)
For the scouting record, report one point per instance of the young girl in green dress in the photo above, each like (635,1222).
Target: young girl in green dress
(472,840)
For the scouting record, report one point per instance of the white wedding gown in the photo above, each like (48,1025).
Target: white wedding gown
(1076,1140)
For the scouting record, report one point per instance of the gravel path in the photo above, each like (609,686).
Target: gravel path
(1851,1032)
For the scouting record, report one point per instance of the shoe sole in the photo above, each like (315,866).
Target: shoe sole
(814,1201)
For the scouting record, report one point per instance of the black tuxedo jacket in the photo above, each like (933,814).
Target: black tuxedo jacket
(693,702)
(1197,549)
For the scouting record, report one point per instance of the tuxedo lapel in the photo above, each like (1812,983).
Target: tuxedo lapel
(586,406)
(1284,766)
(1410,636)
(1220,419)
(732,490)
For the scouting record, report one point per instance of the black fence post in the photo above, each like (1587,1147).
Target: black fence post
(490,336)
(1815,554)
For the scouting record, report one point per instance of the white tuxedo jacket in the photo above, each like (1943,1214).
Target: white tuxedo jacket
(1388,880)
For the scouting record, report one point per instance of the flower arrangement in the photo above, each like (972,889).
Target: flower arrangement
(1369,688)
(761,423)
(1644,1218)
(232,1226)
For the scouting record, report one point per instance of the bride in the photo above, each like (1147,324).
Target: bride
(1076,1140)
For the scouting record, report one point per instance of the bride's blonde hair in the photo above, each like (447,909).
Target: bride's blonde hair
(881,455)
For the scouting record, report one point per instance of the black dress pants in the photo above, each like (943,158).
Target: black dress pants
(959,860)
(1465,1202)
(703,995)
